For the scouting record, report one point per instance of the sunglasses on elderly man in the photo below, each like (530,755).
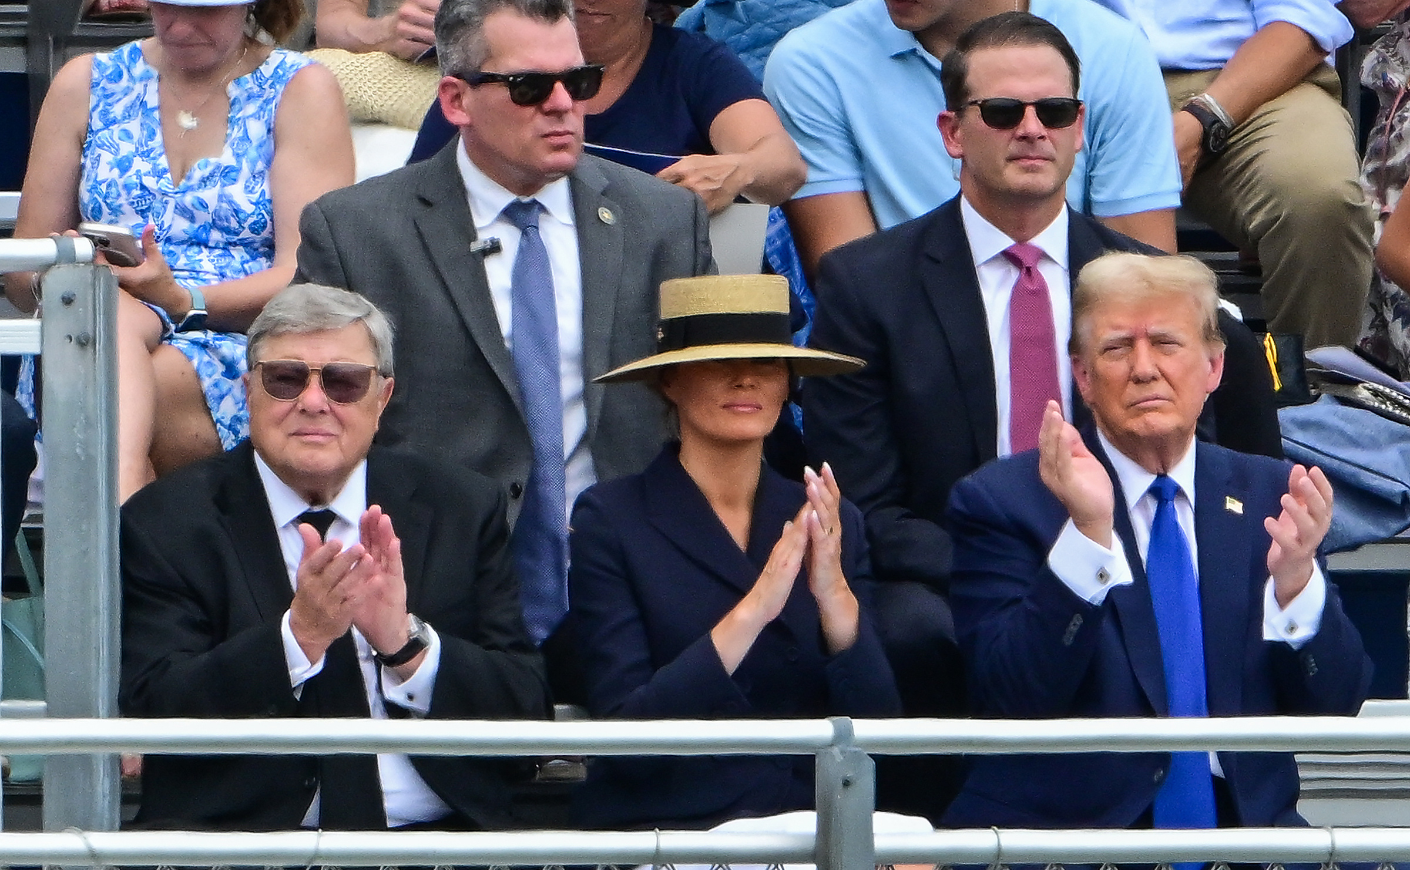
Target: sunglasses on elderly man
(1005,113)
(532,88)
(287,379)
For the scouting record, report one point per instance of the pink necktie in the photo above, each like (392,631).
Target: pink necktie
(1032,349)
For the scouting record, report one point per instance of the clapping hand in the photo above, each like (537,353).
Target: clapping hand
(1075,476)
(1298,531)
(837,606)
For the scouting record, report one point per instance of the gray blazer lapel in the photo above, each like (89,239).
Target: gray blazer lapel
(600,246)
(447,230)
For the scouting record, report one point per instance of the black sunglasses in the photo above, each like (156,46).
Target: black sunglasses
(1005,113)
(532,88)
(343,383)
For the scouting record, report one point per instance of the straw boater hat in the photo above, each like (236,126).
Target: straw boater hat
(728,317)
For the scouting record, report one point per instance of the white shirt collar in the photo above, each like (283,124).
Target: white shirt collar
(488,198)
(285,505)
(1135,480)
(987,241)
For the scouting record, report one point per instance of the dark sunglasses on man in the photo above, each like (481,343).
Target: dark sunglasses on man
(532,88)
(1005,113)
(342,382)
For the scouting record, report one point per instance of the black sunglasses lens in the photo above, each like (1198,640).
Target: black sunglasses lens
(583,82)
(530,89)
(1002,113)
(345,383)
(1056,112)
(284,379)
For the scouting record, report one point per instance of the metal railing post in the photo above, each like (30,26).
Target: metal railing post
(81,550)
(845,794)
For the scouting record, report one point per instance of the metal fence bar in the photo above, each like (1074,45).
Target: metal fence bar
(1246,734)
(845,796)
(384,848)
(26,255)
(1260,845)
(81,553)
(19,336)
(75,736)
(981,847)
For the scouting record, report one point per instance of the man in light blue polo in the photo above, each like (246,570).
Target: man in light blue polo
(859,90)
(1267,150)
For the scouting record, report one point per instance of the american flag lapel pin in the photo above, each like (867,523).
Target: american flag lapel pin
(1233,505)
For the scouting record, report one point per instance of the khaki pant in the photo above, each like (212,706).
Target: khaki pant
(1287,187)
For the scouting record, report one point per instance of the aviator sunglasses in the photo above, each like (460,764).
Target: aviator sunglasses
(1005,113)
(532,88)
(343,383)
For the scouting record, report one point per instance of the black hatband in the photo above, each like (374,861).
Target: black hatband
(700,330)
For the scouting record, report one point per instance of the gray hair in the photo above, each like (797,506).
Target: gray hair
(304,308)
(461,47)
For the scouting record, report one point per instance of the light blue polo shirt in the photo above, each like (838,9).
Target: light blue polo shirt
(1204,34)
(860,97)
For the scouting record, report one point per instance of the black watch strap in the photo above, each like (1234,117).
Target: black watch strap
(418,639)
(1216,131)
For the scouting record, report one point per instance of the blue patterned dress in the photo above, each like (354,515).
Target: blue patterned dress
(216,224)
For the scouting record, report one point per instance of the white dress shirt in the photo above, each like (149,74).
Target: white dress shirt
(405,795)
(997,274)
(558,229)
(1091,570)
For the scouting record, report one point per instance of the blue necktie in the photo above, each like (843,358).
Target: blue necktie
(1186,798)
(540,540)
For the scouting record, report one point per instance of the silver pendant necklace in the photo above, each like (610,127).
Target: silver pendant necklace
(187,119)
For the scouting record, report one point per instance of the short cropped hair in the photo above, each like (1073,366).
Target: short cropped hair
(1136,277)
(1000,31)
(304,308)
(461,47)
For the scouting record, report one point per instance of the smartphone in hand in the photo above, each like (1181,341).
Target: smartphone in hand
(117,244)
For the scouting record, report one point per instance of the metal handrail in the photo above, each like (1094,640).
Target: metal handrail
(974,846)
(58,736)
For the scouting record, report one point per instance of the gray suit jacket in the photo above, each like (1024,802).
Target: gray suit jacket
(403,241)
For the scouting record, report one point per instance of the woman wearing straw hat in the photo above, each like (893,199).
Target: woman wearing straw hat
(204,143)
(709,586)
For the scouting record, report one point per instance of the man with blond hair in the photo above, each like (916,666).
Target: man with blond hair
(1130,570)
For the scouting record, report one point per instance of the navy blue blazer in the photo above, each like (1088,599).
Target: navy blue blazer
(1034,649)
(653,570)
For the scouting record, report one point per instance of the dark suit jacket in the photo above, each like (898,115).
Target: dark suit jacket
(921,415)
(1034,649)
(205,590)
(653,571)
(403,241)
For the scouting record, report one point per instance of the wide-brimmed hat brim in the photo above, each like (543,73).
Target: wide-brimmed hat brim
(804,361)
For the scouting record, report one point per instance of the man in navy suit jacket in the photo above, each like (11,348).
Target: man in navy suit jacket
(925,304)
(1062,606)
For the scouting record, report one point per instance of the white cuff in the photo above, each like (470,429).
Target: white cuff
(1086,567)
(300,668)
(414,694)
(1297,623)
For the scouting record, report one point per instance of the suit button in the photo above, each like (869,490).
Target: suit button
(516,489)
(792,654)
(1159,774)
(311,783)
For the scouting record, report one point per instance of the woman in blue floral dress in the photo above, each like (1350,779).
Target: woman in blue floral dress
(206,143)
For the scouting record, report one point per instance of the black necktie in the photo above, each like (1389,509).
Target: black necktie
(350,788)
(321,520)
